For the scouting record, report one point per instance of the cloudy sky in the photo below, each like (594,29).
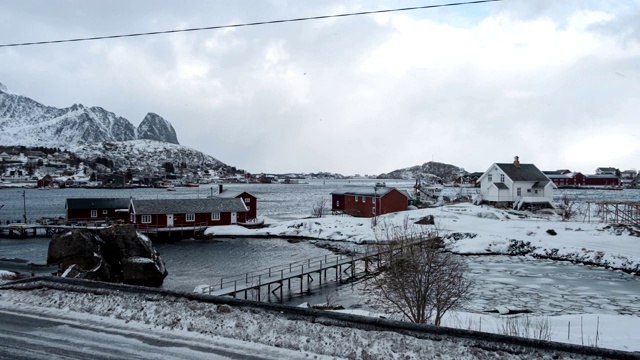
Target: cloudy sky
(554,82)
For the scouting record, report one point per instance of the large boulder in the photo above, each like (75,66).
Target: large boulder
(114,254)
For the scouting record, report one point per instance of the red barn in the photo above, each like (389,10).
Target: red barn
(250,201)
(97,209)
(167,213)
(367,201)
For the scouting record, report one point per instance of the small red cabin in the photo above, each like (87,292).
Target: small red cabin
(368,201)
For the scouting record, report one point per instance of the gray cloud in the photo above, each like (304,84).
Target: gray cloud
(552,82)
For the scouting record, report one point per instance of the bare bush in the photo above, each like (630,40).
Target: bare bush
(567,205)
(526,326)
(319,209)
(419,277)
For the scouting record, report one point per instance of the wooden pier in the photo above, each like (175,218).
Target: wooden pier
(619,212)
(276,277)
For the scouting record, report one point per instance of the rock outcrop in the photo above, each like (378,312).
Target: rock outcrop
(114,254)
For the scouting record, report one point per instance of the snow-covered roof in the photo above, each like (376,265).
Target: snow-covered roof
(198,206)
(227,194)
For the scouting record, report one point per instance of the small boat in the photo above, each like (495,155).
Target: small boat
(252,223)
(192,185)
(171,188)
(614,187)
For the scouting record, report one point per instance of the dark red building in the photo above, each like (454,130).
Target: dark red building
(97,209)
(367,201)
(166,213)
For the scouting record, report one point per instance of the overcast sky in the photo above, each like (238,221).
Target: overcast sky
(554,82)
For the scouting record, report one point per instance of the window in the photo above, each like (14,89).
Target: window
(528,190)
(501,178)
(215,216)
(356,199)
(490,178)
(146,219)
(94,213)
(247,200)
(191,217)
(519,192)
(337,203)
(105,212)
(248,208)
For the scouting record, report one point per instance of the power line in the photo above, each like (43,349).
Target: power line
(248,24)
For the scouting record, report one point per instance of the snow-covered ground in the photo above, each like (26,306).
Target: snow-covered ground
(471,229)
(468,229)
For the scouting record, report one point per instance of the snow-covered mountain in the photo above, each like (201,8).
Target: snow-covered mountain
(146,153)
(154,127)
(427,170)
(24,121)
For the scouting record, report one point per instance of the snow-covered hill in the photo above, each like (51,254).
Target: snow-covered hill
(26,122)
(427,170)
(146,153)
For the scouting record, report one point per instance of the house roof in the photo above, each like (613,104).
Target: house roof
(226,194)
(501,186)
(366,191)
(180,206)
(97,203)
(523,172)
(609,169)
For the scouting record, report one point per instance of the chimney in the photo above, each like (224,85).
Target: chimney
(220,190)
(516,161)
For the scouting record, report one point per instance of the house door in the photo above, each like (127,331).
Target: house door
(234,218)
(169,220)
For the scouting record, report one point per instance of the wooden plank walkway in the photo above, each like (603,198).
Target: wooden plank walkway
(277,276)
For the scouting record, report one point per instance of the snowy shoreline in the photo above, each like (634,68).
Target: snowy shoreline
(473,230)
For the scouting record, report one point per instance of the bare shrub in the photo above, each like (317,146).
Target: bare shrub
(319,209)
(419,277)
(526,326)
(567,206)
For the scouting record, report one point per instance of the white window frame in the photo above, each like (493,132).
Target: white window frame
(337,203)
(105,212)
(490,178)
(94,213)
(502,178)
(145,219)
(215,216)
(356,198)
(190,217)
(247,200)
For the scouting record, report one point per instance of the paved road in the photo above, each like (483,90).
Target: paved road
(40,336)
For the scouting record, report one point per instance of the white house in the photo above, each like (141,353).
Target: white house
(515,184)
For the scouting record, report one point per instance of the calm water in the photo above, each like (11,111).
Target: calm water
(549,287)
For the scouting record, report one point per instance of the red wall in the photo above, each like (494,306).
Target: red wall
(85,215)
(179,220)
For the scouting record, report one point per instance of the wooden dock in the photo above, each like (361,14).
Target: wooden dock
(275,278)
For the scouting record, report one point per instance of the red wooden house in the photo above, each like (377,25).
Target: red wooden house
(367,201)
(97,209)
(250,201)
(167,213)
